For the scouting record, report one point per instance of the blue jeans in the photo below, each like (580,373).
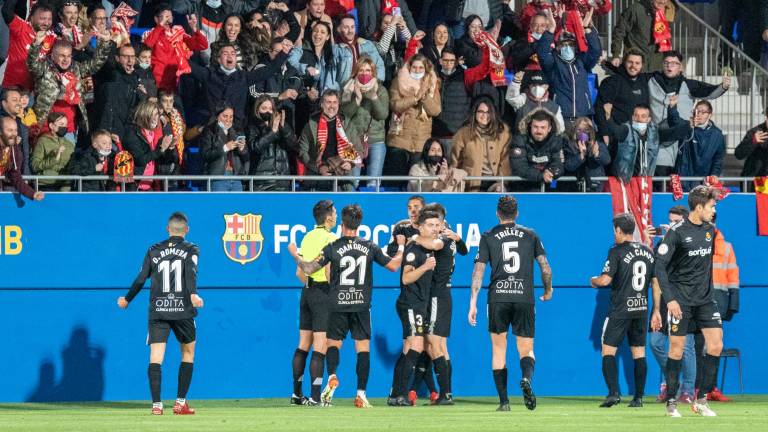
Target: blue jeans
(659,348)
(374,164)
(226,186)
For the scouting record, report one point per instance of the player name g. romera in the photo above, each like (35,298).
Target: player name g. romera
(170,251)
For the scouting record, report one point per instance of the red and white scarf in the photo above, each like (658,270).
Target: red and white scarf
(176,36)
(343,147)
(177,128)
(388,5)
(68,81)
(662,35)
(74,35)
(495,57)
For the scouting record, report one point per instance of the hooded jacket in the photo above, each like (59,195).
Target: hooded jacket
(529,158)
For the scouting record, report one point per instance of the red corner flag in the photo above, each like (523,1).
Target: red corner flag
(761,199)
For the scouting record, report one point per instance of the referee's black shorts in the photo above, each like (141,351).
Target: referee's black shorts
(314,307)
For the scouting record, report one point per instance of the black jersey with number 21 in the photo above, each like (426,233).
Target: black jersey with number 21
(630,266)
(351,281)
(511,250)
(172,265)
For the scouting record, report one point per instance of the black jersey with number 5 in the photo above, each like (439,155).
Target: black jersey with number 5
(172,265)
(510,249)
(630,266)
(351,261)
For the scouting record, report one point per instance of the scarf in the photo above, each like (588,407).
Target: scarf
(74,35)
(122,19)
(177,128)
(5,156)
(662,35)
(68,81)
(343,147)
(496,58)
(153,138)
(182,52)
(348,92)
(388,5)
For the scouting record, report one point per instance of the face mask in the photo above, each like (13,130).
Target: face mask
(364,78)
(223,127)
(265,116)
(61,132)
(567,53)
(417,75)
(144,65)
(228,71)
(213,3)
(105,153)
(536,36)
(434,160)
(538,91)
(448,72)
(640,127)
(583,137)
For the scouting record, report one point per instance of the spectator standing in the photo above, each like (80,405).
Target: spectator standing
(318,59)
(586,156)
(753,149)
(703,151)
(286,86)
(438,41)
(12,159)
(314,12)
(224,151)
(566,71)
(231,33)
(624,90)
(536,95)
(638,143)
(391,40)
(171,117)
(521,53)
(644,25)
(353,48)
(370,12)
(365,106)
(11,107)
(481,147)
(271,142)
(95,160)
(151,145)
(434,163)
(52,153)
(537,151)
(454,98)
(22,34)
(414,100)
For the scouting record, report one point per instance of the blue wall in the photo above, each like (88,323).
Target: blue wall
(66,339)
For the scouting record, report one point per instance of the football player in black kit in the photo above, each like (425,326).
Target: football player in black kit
(628,270)
(173,299)
(684,273)
(440,306)
(405,229)
(412,304)
(351,260)
(510,249)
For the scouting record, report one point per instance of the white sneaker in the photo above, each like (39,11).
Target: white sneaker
(701,407)
(672,409)
(361,401)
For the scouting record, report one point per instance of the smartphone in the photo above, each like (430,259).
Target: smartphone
(240,138)
(396,11)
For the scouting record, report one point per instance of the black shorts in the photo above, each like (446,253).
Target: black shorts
(698,317)
(185,330)
(313,307)
(357,323)
(614,329)
(440,310)
(522,317)
(413,318)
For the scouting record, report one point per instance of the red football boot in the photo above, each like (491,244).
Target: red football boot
(412,397)
(183,409)
(156,410)
(433,397)
(717,396)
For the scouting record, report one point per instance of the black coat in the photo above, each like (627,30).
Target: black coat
(212,142)
(116,99)
(529,159)
(624,94)
(269,153)
(287,78)
(135,143)
(756,155)
(467,48)
(456,104)
(369,14)
(84,162)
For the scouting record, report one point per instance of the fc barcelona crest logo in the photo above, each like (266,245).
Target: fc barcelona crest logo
(242,237)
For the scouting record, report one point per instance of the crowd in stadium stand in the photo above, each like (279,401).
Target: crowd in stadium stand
(450,88)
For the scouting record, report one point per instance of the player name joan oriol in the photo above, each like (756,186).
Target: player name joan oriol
(379,234)
(350,247)
(181,253)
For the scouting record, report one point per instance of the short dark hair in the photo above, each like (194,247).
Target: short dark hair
(7,90)
(507,207)
(330,92)
(673,53)
(625,222)
(700,196)
(101,132)
(143,48)
(162,7)
(352,216)
(53,116)
(94,7)
(322,210)
(40,7)
(541,115)
(178,217)
(633,52)
(448,50)
(706,104)
(424,215)
(679,211)
(418,198)
(435,208)
(644,106)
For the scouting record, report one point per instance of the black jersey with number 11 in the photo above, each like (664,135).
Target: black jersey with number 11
(172,265)
(351,281)
(630,266)
(511,250)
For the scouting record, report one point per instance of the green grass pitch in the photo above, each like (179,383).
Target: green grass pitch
(746,413)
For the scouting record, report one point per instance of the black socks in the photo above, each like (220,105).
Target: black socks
(363,369)
(526,366)
(185,378)
(709,374)
(316,366)
(154,381)
(298,364)
(443,378)
(641,371)
(672,374)
(611,374)
(332,359)
(500,379)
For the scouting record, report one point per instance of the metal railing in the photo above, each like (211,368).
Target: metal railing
(297,182)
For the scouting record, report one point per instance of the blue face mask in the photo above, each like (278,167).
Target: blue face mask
(567,53)
(213,3)
(536,36)
(640,127)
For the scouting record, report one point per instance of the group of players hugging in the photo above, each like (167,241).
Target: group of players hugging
(337,273)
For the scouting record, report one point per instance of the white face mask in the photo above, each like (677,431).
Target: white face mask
(144,65)
(105,153)
(536,36)
(640,127)
(228,71)
(538,91)
(213,3)
(417,75)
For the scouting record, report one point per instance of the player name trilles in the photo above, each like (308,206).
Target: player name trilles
(639,252)
(170,251)
(509,232)
(352,246)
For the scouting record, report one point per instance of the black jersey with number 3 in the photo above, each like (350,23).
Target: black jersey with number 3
(172,265)
(630,266)
(351,281)
(511,250)
(418,292)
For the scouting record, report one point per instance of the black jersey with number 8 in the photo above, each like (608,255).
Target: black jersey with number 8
(630,266)
(351,281)
(510,249)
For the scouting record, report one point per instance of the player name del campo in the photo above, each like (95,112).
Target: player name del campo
(352,246)
(638,253)
(170,251)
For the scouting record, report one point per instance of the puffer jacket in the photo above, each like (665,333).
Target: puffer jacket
(529,159)
(414,124)
(468,154)
(456,102)
(269,153)
(47,86)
